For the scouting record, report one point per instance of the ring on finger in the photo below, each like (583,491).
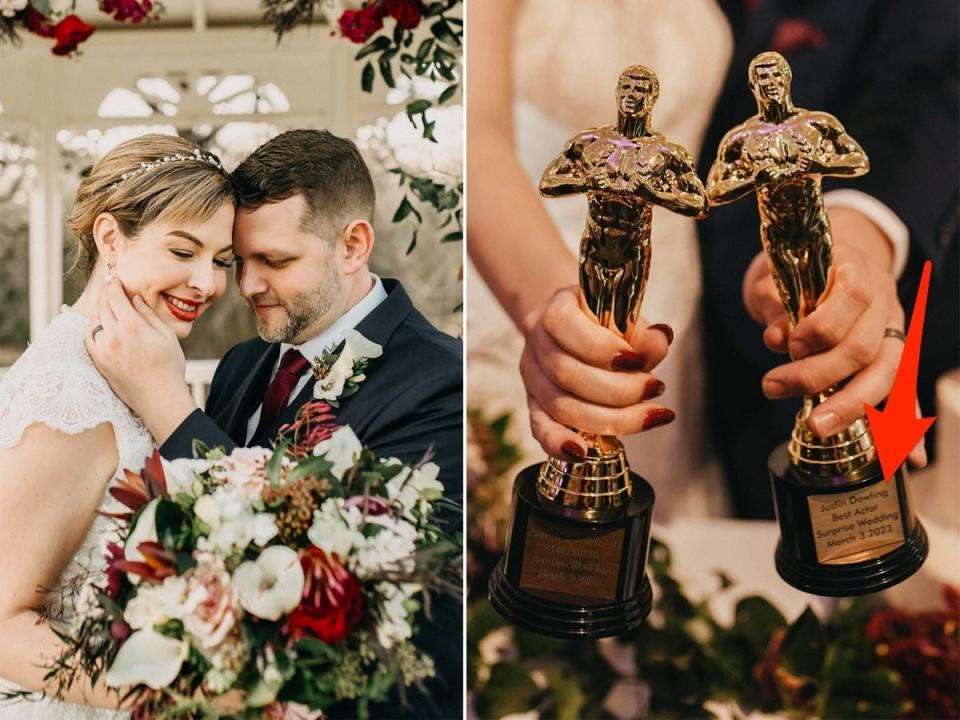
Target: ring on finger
(894,333)
(96,329)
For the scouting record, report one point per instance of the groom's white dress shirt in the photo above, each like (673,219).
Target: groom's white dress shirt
(329,337)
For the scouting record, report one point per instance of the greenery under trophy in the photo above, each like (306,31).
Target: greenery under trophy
(844,531)
(579,534)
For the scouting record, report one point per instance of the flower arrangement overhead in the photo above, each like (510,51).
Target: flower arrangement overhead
(62,24)
(265,583)
(868,660)
(416,47)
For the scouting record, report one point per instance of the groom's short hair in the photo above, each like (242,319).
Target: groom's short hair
(328,171)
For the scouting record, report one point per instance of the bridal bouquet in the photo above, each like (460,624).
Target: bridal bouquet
(266,583)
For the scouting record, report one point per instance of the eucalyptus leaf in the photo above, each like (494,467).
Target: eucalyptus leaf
(444,33)
(755,619)
(380,43)
(447,94)
(804,645)
(508,690)
(367,77)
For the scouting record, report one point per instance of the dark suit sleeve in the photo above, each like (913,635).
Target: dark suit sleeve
(198,426)
(435,421)
(904,112)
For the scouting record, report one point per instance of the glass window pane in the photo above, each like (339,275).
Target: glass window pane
(17,172)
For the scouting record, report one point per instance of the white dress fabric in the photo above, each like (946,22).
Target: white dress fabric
(567,56)
(56,383)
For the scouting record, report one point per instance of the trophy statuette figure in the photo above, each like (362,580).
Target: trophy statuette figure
(579,533)
(844,531)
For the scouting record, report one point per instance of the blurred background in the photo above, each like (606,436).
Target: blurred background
(227,75)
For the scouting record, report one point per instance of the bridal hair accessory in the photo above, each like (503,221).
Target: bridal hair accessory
(179,157)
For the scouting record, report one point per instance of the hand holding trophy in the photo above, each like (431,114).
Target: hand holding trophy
(843,530)
(579,535)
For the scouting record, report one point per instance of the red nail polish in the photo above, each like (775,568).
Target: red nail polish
(573,451)
(653,389)
(658,417)
(665,329)
(628,360)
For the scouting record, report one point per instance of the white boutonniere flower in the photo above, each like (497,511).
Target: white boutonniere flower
(340,370)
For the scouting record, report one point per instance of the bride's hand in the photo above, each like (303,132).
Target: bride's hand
(578,374)
(141,358)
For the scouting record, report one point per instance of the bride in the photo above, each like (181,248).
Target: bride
(155,215)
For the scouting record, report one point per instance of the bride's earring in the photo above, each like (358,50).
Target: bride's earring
(109,271)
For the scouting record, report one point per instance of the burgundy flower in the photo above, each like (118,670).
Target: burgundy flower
(359,25)
(314,424)
(407,13)
(924,648)
(134,11)
(70,32)
(138,490)
(332,604)
(115,576)
(793,34)
(370,504)
(120,630)
(157,562)
(37,23)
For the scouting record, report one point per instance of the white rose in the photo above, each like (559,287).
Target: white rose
(271,586)
(342,448)
(414,489)
(183,475)
(155,604)
(391,549)
(148,658)
(206,509)
(335,529)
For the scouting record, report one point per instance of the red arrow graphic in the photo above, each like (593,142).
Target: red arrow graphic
(897,429)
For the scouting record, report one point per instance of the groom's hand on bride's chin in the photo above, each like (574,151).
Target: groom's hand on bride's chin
(141,358)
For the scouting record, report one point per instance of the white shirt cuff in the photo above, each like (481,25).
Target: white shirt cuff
(881,216)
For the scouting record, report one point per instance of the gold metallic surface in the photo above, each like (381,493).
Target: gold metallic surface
(624,169)
(781,154)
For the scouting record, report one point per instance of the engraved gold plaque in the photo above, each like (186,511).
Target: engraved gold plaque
(573,561)
(853,527)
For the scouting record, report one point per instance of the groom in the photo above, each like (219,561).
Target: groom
(303,238)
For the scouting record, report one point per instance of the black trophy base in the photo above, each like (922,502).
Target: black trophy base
(847,539)
(567,621)
(569,577)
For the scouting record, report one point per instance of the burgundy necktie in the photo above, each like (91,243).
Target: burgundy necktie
(292,366)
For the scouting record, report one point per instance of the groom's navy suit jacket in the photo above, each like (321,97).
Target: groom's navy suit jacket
(888,71)
(410,402)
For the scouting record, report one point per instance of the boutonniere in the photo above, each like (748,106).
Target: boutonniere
(340,369)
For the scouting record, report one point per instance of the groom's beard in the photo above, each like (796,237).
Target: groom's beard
(301,311)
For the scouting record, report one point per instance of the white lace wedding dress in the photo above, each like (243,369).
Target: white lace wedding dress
(56,383)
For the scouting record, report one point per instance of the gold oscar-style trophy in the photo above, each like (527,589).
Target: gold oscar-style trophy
(843,530)
(579,533)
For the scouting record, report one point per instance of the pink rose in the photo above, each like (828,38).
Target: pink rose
(212,606)
(291,711)
(245,468)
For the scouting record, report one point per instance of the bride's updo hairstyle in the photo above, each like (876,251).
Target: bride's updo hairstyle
(152,178)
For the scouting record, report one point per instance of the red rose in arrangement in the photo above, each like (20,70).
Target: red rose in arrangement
(359,25)
(37,22)
(407,13)
(331,604)
(70,32)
